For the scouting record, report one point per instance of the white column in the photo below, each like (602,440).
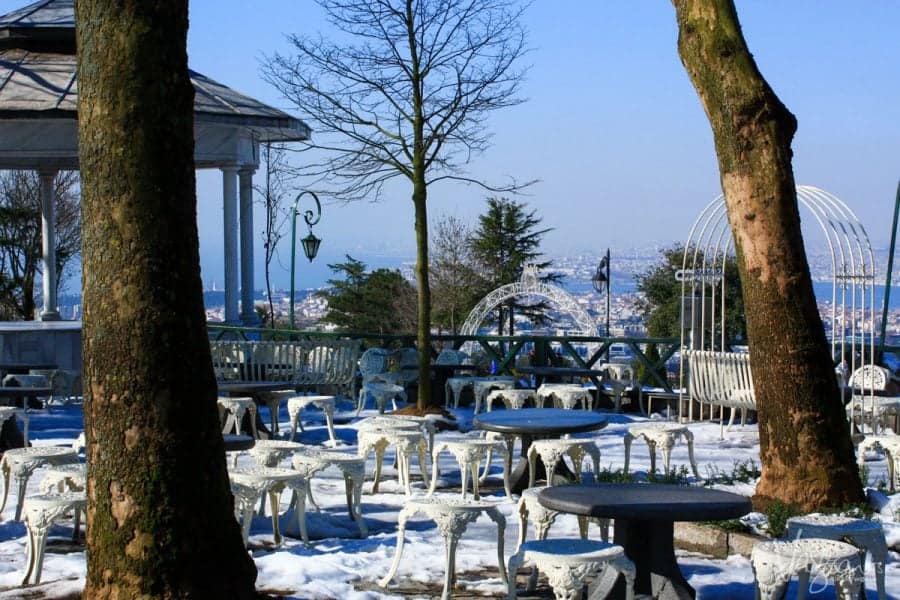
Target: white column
(248,315)
(230,224)
(50,311)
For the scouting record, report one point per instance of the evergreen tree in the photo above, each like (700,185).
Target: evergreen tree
(507,238)
(661,302)
(379,301)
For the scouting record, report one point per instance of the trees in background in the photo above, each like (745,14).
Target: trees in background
(456,279)
(506,239)
(805,446)
(160,515)
(379,301)
(20,237)
(404,94)
(660,304)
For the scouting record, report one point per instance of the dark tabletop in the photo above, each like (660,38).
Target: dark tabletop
(19,391)
(645,501)
(561,371)
(237,443)
(253,387)
(540,421)
(22,368)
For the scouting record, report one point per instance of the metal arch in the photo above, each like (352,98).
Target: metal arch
(528,285)
(710,241)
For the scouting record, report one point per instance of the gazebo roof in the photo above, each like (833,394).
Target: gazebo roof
(38,84)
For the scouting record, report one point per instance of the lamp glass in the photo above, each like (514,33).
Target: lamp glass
(310,246)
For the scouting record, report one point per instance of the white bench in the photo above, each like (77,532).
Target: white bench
(721,379)
(308,364)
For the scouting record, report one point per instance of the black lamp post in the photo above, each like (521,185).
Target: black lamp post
(600,281)
(310,243)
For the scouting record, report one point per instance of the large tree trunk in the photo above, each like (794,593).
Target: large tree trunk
(160,512)
(806,451)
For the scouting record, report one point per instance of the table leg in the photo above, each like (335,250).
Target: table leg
(649,544)
(404,515)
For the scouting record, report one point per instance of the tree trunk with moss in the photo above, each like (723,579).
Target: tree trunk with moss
(806,452)
(160,516)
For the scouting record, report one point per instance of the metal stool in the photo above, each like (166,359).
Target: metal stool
(567,562)
(452,515)
(774,563)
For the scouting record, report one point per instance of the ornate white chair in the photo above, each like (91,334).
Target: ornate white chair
(468,452)
(864,534)
(310,461)
(383,392)
(233,410)
(452,515)
(568,562)
(662,435)
(250,484)
(890,445)
(565,395)
(511,399)
(273,401)
(774,563)
(408,441)
(70,477)
(324,403)
(482,387)
(21,463)
(40,513)
(552,452)
(374,361)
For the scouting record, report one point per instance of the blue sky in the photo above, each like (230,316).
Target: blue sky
(612,126)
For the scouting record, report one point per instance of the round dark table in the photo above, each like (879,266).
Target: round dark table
(645,514)
(238,443)
(537,423)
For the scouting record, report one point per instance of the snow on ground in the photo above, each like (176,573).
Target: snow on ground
(337,564)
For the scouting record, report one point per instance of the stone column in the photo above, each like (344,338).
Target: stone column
(230,224)
(248,315)
(50,311)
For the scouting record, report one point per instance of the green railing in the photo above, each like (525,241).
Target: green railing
(499,351)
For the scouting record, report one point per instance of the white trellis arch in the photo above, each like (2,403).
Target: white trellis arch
(852,285)
(528,285)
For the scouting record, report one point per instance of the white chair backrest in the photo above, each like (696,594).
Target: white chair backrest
(870,378)
(722,378)
(374,361)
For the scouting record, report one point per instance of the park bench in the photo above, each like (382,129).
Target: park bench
(308,364)
(722,379)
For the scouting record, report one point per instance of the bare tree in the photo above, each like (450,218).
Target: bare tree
(805,446)
(453,271)
(20,236)
(274,193)
(406,94)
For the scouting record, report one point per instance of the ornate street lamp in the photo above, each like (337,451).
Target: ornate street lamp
(600,280)
(310,243)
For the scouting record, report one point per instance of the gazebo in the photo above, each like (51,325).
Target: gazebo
(38,131)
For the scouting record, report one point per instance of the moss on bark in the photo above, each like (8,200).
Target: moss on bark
(160,512)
